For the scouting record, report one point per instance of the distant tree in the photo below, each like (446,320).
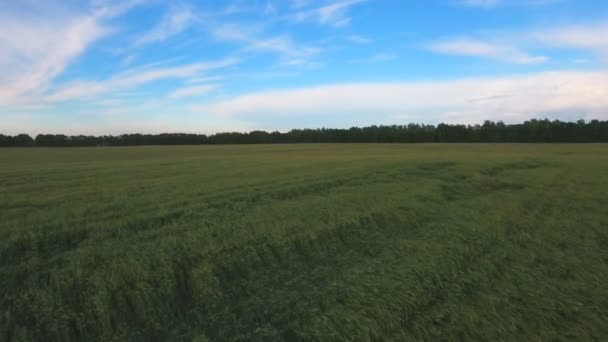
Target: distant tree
(532,131)
(23,140)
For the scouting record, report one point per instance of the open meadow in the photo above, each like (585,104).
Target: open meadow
(309,242)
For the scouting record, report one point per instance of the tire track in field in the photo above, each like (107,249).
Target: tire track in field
(332,254)
(63,234)
(357,246)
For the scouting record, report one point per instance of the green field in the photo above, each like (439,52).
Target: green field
(305,243)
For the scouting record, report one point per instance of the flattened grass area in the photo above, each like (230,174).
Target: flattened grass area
(305,243)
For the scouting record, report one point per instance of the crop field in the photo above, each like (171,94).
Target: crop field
(311,242)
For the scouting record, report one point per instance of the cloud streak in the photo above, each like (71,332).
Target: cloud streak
(592,37)
(108,9)
(192,91)
(478,48)
(333,13)
(358,39)
(175,21)
(515,98)
(510,47)
(291,52)
(134,78)
(35,49)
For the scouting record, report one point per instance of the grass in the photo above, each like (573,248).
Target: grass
(305,243)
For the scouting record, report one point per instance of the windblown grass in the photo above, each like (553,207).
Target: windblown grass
(305,243)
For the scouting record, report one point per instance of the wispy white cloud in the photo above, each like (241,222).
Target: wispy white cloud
(204,79)
(133,78)
(127,60)
(236,7)
(234,32)
(592,37)
(253,40)
(175,21)
(192,91)
(107,9)
(514,98)
(377,58)
(358,39)
(484,49)
(269,9)
(581,61)
(511,46)
(239,7)
(383,57)
(36,47)
(283,45)
(334,13)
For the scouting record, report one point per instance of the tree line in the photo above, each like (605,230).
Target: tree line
(532,131)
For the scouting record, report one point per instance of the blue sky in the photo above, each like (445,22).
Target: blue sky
(150,66)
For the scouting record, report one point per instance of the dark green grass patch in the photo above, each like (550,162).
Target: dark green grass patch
(304,243)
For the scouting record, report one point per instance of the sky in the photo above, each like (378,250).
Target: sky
(153,66)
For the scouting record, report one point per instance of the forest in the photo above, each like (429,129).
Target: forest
(532,131)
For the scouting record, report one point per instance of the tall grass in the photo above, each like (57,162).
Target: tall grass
(309,243)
